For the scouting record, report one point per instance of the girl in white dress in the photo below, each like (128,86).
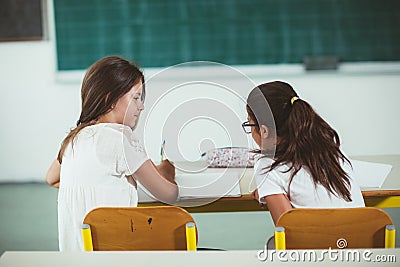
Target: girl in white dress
(100,160)
(301,164)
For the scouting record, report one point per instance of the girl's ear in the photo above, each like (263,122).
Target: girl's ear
(264,132)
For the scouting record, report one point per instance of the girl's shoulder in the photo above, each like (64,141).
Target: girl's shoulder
(109,129)
(125,136)
(263,165)
(263,161)
(111,133)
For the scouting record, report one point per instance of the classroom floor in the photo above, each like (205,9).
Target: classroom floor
(29,222)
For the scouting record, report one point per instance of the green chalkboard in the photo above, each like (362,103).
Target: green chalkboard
(158,33)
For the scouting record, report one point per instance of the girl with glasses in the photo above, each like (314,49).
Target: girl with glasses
(301,164)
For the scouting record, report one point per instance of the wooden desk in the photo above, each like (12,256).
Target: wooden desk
(388,196)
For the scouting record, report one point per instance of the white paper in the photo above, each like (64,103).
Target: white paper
(201,185)
(208,185)
(369,174)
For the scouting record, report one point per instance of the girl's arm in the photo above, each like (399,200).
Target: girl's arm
(277,204)
(158,180)
(53,174)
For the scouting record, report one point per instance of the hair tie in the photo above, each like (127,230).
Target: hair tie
(293,99)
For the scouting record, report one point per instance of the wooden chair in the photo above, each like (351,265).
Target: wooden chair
(138,228)
(333,228)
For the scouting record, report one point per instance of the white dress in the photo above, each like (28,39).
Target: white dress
(303,192)
(93,174)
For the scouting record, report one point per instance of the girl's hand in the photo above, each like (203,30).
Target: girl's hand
(167,170)
(53,174)
(256,197)
(255,194)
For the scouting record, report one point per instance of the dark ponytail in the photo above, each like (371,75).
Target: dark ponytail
(305,139)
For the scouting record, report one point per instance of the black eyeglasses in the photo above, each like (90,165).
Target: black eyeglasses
(247,126)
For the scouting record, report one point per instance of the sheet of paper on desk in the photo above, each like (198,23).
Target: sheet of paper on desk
(201,185)
(369,174)
(207,185)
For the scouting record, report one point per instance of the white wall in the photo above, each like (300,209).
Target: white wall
(38,107)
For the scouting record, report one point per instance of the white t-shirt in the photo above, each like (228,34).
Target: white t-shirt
(93,174)
(303,192)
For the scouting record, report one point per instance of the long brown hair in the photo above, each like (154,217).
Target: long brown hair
(305,139)
(106,81)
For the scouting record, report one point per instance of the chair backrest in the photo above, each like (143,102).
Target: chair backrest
(334,228)
(138,228)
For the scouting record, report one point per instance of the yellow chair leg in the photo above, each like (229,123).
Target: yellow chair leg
(191,236)
(280,239)
(390,236)
(87,237)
